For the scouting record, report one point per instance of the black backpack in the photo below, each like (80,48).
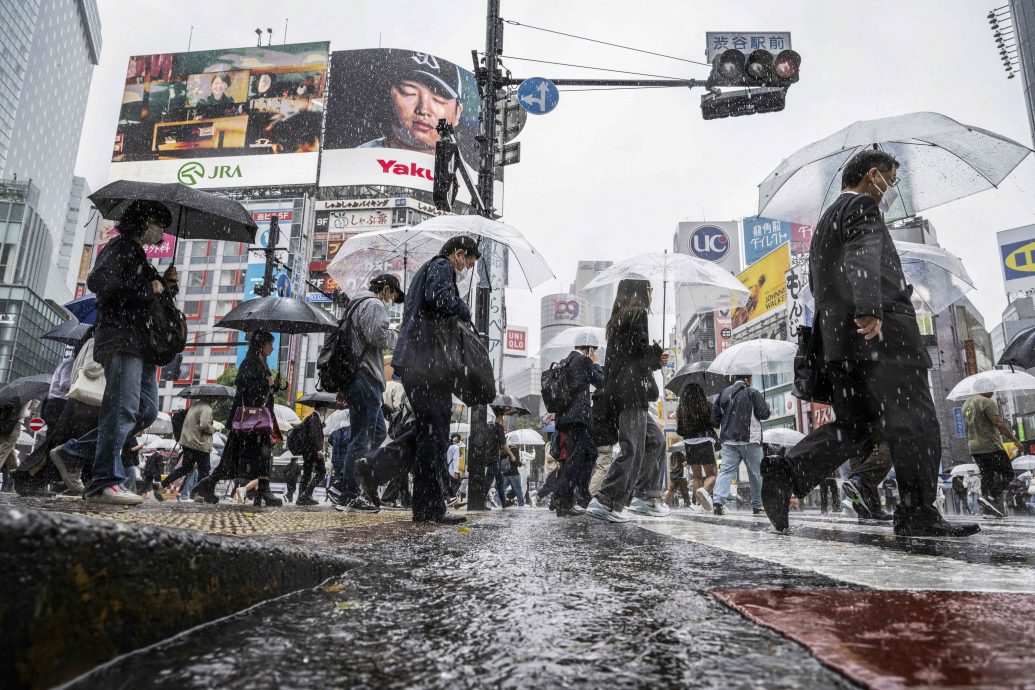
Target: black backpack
(557,391)
(336,365)
(164,331)
(178,417)
(300,440)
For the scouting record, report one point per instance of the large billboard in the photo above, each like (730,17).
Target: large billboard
(766,281)
(380,123)
(223,118)
(1017,257)
(715,241)
(763,235)
(262,212)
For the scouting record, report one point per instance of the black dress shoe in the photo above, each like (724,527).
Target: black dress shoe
(930,524)
(444,519)
(776,491)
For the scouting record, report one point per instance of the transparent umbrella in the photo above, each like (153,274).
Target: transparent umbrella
(525,437)
(758,356)
(1023,462)
(994,381)
(967,468)
(286,417)
(162,424)
(784,437)
(942,160)
(938,277)
(564,342)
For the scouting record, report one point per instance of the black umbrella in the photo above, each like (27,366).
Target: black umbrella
(1021,350)
(208,390)
(510,403)
(697,372)
(28,388)
(320,399)
(197,215)
(70,332)
(277,315)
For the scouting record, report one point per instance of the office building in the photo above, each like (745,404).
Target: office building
(599,300)
(1023,15)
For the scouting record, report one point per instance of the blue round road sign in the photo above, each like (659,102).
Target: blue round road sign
(538,96)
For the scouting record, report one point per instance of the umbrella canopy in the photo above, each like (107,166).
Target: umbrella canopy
(25,439)
(1021,350)
(278,315)
(320,399)
(403,251)
(334,421)
(197,215)
(160,444)
(459,428)
(938,277)
(286,417)
(162,424)
(994,381)
(968,468)
(787,438)
(84,309)
(208,390)
(510,403)
(218,440)
(525,437)
(1023,462)
(70,332)
(942,160)
(27,388)
(697,372)
(149,439)
(759,356)
(561,345)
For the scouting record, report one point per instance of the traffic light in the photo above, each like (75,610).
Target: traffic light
(760,68)
(764,99)
(445,187)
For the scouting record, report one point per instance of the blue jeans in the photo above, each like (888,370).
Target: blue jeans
(732,455)
(189,482)
(514,480)
(367,422)
(130,405)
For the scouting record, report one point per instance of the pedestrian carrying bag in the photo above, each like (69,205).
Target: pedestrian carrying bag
(461,361)
(557,391)
(252,420)
(336,364)
(810,384)
(88,380)
(164,331)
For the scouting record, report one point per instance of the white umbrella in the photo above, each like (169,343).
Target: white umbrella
(942,160)
(334,421)
(218,440)
(160,444)
(162,424)
(994,381)
(525,437)
(787,438)
(968,468)
(286,417)
(758,356)
(938,277)
(561,345)
(1023,462)
(149,439)
(459,428)
(25,439)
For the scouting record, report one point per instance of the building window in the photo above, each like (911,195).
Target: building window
(230,281)
(196,310)
(197,282)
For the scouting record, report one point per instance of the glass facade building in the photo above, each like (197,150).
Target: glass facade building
(24,318)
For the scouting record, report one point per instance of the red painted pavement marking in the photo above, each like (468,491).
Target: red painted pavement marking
(888,640)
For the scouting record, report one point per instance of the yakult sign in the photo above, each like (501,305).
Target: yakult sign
(718,242)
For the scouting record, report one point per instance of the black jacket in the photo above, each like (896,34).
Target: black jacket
(733,409)
(631,362)
(253,386)
(854,271)
(581,374)
(122,282)
(432,295)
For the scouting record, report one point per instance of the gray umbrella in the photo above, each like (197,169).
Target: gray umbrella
(942,160)
(28,388)
(70,332)
(208,390)
(511,403)
(278,315)
(197,215)
(320,399)
(697,372)
(1021,350)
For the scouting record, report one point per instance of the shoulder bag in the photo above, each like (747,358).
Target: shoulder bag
(252,420)
(810,384)
(88,380)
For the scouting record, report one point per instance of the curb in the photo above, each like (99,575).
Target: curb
(79,592)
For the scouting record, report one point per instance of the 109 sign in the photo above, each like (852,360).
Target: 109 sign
(710,243)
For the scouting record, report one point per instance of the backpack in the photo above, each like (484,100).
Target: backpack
(336,364)
(178,417)
(164,331)
(557,391)
(300,439)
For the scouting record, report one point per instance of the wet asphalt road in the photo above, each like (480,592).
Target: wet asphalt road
(520,599)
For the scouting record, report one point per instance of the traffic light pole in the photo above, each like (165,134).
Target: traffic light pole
(271,257)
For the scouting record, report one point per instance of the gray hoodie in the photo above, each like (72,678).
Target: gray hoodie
(371,336)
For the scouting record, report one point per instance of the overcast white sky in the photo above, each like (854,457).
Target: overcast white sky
(608,174)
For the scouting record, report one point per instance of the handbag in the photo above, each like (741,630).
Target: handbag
(88,380)
(810,384)
(252,420)
(461,361)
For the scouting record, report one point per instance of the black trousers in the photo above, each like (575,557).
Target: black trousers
(432,407)
(191,459)
(996,473)
(313,473)
(828,490)
(872,469)
(873,401)
(581,458)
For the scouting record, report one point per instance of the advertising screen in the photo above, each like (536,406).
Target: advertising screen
(109,229)
(380,123)
(223,118)
(766,281)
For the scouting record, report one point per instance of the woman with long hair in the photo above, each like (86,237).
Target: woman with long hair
(634,477)
(249,454)
(694,424)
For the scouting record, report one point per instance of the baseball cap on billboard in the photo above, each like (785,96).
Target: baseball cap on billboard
(440,76)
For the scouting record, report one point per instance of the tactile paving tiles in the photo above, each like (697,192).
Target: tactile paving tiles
(889,640)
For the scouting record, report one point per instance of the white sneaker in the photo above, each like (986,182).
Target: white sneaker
(184,500)
(989,508)
(115,496)
(653,508)
(849,508)
(596,509)
(695,508)
(69,475)
(704,498)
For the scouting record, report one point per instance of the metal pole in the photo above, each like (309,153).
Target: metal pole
(271,255)
(489,83)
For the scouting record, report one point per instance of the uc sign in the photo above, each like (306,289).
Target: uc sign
(710,243)
(1019,259)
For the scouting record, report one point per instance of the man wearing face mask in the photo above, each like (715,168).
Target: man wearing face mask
(125,284)
(432,296)
(371,336)
(873,359)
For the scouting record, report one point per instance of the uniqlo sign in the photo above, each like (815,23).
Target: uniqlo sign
(517,341)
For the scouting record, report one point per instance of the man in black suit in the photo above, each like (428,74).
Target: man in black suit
(874,359)
(574,424)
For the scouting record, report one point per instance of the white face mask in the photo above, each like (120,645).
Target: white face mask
(462,276)
(154,234)
(888,195)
